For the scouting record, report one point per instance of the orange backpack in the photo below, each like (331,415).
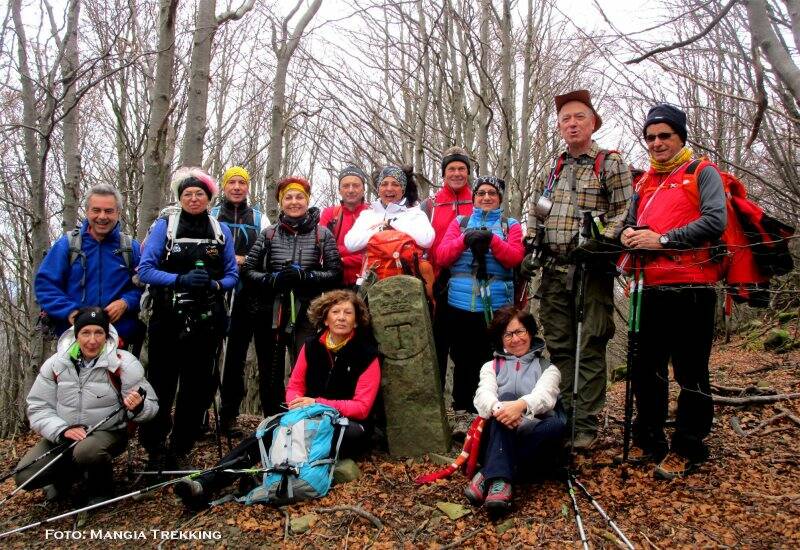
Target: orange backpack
(391,252)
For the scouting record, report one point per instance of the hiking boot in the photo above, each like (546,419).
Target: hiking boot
(476,490)
(584,441)
(674,466)
(191,493)
(178,461)
(498,499)
(53,493)
(156,462)
(229,428)
(636,455)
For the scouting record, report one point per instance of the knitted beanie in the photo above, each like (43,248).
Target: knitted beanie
(668,114)
(235,171)
(92,315)
(453,154)
(189,176)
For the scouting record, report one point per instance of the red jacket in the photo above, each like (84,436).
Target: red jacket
(445,207)
(351,261)
(664,204)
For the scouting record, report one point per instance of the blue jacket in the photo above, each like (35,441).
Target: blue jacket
(150,271)
(463,289)
(58,284)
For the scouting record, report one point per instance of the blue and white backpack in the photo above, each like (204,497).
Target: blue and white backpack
(299,463)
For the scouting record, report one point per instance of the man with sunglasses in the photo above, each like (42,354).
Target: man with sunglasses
(676,216)
(591,185)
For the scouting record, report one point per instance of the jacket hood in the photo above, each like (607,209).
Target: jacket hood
(67,339)
(537,347)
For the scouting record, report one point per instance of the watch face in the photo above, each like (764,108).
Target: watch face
(663,239)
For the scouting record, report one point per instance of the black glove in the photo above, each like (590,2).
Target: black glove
(479,244)
(595,250)
(475,235)
(196,279)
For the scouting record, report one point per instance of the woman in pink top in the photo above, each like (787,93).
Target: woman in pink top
(339,366)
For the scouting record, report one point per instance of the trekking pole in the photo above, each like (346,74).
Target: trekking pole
(189,472)
(577,511)
(610,522)
(120,497)
(91,430)
(60,447)
(584,234)
(634,316)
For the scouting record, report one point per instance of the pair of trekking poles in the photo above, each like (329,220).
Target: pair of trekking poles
(634,315)
(224,467)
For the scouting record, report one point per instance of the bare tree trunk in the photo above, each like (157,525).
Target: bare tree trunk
(205,28)
(283,53)
(483,108)
(35,155)
(507,107)
(764,35)
(156,169)
(72,154)
(523,156)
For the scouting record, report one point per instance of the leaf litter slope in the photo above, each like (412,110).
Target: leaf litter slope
(747,495)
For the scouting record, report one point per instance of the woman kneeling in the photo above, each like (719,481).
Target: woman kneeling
(339,367)
(517,393)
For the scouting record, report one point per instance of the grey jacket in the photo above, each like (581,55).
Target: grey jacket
(61,397)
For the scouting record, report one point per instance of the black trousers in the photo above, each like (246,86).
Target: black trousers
(677,325)
(470,349)
(245,325)
(271,348)
(181,368)
(355,442)
(441,333)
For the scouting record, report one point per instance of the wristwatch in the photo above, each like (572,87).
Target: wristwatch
(663,240)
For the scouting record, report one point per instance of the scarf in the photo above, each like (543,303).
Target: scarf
(333,348)
(683,156)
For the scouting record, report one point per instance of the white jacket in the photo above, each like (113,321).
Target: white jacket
(411,221)
(61,397)
(522,376)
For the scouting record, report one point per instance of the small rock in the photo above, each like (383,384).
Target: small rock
(505,526)
(441,460)
(303,523)
(777,339)
(346,471)
(452,510)
(786,316)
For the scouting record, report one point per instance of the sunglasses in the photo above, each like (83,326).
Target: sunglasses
(663,136)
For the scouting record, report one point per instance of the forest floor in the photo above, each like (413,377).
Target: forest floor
(746,496)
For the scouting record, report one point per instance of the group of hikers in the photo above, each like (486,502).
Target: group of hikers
(220,275)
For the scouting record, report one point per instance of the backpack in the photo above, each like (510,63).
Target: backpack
(429,206)
(599,169)
(241,226)
(300,460)
(391,252)
(335,223)
(755,245)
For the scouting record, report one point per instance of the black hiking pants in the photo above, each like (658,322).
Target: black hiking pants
(677,325)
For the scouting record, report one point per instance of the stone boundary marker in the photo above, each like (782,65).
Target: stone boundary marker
(415,419)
